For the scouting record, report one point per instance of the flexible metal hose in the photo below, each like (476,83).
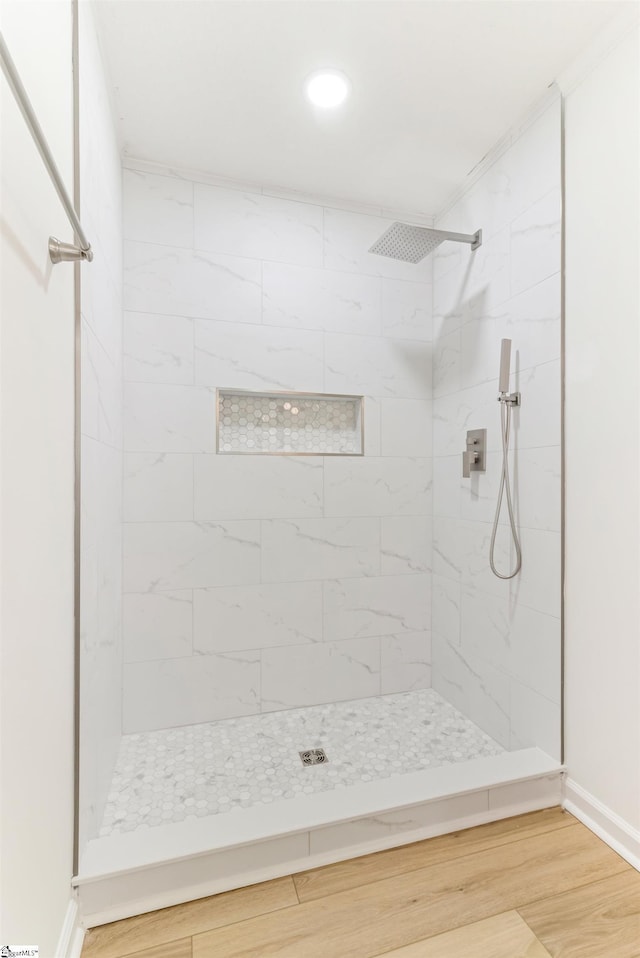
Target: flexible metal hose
(505,419)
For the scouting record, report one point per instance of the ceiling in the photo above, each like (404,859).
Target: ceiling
(217,85)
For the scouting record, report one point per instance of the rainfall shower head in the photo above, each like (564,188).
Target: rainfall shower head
(412,243)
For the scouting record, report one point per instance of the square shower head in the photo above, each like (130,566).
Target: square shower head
(408,243)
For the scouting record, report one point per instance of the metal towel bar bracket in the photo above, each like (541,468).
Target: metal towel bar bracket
(59,252)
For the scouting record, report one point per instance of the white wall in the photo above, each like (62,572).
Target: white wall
(602,429)
(101,441)
(37,489)
(497,644)
(257,583)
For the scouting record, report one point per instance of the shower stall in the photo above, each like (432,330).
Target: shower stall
(324,636)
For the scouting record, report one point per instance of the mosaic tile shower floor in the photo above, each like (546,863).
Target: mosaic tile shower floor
(197,770)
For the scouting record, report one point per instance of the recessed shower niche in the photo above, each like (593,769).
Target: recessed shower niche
(288,423)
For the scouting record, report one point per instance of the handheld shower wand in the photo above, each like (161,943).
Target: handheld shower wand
(507,401)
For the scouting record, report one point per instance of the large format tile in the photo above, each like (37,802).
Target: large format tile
(254,225)
(179,282)
(200,688)
(405,544)
(347,239)
(447,608)
(472,684)
(376,606)
(535,720)
(377,367)
(257,616)
(531,320)
(406,310)
(241,487)
(257,357)
(158,349)
(405,662)
(536,242)
(377,487)
(169,418)
(406,427)
(157,486)
(310,674)
(304,298)
(319,548)
(157,209)
(157,625)
(184,555)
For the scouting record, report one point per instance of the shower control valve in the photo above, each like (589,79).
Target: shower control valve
(473,459)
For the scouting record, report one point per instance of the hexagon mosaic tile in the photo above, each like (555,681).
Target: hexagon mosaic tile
(197,770)
(289,423)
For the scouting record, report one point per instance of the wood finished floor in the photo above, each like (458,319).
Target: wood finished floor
(534,886)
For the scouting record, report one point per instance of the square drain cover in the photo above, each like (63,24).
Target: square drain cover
(313,756)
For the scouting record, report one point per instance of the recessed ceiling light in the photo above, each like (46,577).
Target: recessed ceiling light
(327,88)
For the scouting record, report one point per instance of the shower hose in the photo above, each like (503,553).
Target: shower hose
(505,486)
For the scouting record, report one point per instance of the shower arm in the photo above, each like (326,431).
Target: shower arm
(474,239)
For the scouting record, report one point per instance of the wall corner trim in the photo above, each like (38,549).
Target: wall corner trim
(72,933)
(618,834)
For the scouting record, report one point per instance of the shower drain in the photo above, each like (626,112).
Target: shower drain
(313,756)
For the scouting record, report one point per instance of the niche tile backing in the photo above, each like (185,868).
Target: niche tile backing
(294,424)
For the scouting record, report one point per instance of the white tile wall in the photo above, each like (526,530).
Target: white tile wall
(496,644)
(101,440)
(256,583)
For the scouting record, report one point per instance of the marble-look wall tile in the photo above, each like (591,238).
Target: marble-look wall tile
(447,364)
(241,487)
(179,282)
(167,418)
(537,422)
(295,550)
(347,239)
(255,225)
(158,349)
(535,242)
(200,688)
(376,606)
(405,544)
(157,625)
(378,367)
(405,662)
(474,686)
(448,486)
(305,298)
(257,616)
(157,486)
(448,554)
(406,310)
(535,721)
(160,556)
(257,357)
(377,487)
(531,320)
(157,209)
(231,288)
(406,428)
(310,674)
(446,608)
(539,485)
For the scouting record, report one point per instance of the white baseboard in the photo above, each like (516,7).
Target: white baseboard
(142,889)
(622,837)
(72,934)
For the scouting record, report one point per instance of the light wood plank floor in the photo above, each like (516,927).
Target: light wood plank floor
(536,886)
